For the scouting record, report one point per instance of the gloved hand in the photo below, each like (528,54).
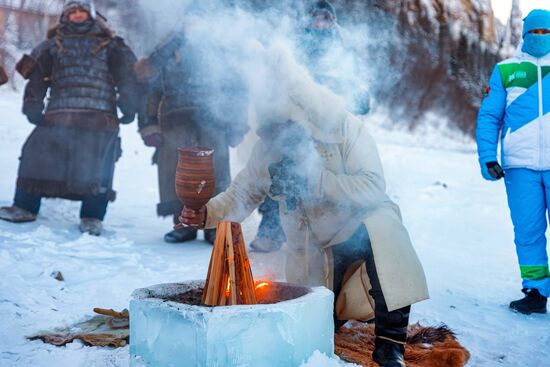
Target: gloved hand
(491,171)
(286,181)
(126,119)
(128,110)
(152,136)
(155,140)
(192,218)
(34,113)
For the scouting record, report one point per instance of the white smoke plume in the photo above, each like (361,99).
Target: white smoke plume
(240,39)
(262,47)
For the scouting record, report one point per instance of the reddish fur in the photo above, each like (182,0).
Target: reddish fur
(426,347)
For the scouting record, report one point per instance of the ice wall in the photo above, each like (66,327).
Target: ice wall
(172,334)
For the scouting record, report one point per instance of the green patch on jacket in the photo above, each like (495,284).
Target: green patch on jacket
(521,75)
(535,272)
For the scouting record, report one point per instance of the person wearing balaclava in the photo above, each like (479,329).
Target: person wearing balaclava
(517,107)
(331,59)
(321,166)
(71,153)
(191,100)
(323,51)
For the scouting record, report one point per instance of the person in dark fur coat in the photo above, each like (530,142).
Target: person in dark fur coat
(189,105)
(71,153)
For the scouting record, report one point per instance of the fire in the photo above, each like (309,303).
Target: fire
(228,288)
(264,290)
(262,285)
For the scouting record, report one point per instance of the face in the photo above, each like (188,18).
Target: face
(321,20)
(540,31)
(78,15)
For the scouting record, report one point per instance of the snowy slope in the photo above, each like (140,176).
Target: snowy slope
(459,224)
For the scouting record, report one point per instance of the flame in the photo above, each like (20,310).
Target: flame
(261,285)
(228,288)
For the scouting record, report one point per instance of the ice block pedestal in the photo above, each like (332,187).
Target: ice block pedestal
(164,332)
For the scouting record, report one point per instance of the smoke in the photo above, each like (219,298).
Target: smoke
(258,59)
(235,48)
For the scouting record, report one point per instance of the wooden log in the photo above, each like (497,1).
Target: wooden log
(220,265)
(118,315)
(229,267)
(207,283)
(247,282)
(247,272)
(211,293)
(222,298)
(230,253)
(245,286)
(241,286)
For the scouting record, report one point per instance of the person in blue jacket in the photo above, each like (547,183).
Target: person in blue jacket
(517,108)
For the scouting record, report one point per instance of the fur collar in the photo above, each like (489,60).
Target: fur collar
(100,29)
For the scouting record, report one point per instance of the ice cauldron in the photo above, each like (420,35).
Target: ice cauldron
(283,334)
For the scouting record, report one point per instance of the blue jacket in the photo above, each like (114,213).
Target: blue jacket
(517,108)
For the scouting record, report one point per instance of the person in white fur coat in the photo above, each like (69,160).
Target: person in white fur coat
(322,166)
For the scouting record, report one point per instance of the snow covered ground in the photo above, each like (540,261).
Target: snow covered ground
(459,224)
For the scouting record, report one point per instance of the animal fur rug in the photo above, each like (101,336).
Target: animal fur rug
(108,329)
(426,346)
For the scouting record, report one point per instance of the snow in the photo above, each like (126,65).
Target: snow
(321,360)
(459,224)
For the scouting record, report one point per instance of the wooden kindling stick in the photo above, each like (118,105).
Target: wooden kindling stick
(229,280)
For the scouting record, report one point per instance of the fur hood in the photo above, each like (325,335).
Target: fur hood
(100,29)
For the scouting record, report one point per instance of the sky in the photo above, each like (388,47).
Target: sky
(502,7)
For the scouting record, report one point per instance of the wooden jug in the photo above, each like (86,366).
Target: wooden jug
(195,178)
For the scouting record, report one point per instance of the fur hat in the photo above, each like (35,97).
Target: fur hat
(323,5)
(87,5)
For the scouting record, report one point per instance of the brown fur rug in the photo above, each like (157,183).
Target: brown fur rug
(426,346)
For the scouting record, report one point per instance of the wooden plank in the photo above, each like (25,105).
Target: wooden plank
(208,275)
(220,265)
(239,280)
(231,262)
(248,272)
(222,296)
(217,267)
(246,280)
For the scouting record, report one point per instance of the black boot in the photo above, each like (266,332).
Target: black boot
(533,302)
(180,235)
(391,335)
(388,353)
(210,236)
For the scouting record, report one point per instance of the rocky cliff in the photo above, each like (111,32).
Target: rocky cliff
(426,59)
(433,57)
